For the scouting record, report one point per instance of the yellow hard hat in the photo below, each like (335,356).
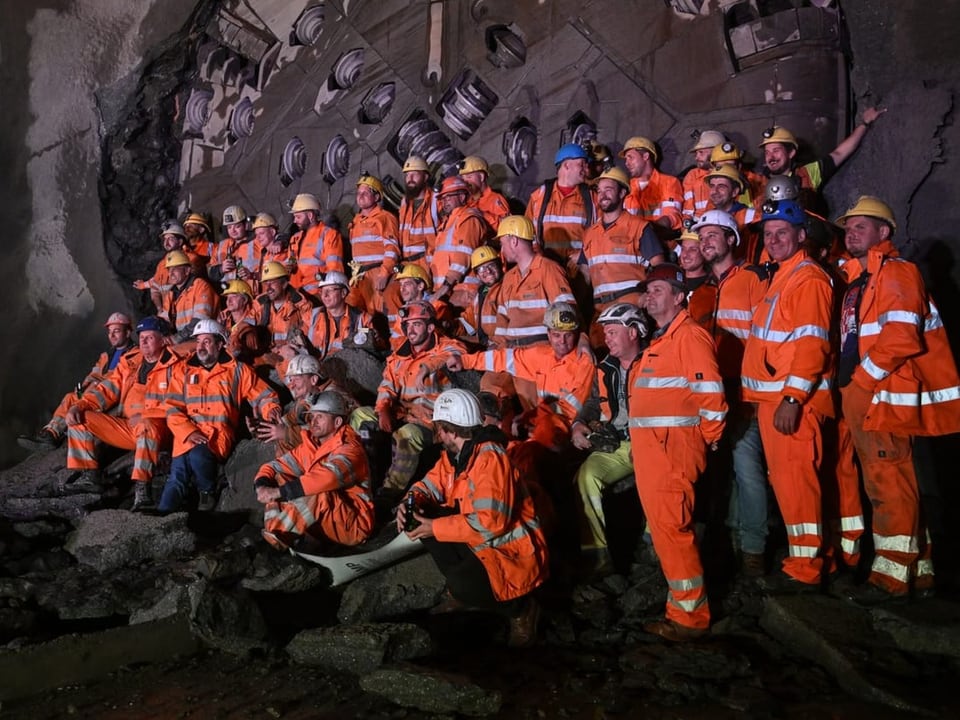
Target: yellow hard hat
(413,271)
(640,143)
(304,202)
(197,219)
(777,134)
(518,226)
(273,270)
(872,207)
(263,220)
(725,152)
(415,164)
(176,258)
(689,235)
(708,139)
(234,214)
(726,171)
(371,182)
(561,316)
(482,255)
(237,287)
(617,175)
(599,152)
(473,163)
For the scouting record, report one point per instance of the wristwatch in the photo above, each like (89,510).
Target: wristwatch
(791,400)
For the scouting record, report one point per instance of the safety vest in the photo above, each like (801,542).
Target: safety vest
(317,250)
(374,240)
(479,319)
(462,233)
(560,221)
(788,353)
(616,262)
(327,334)
(419,220)
(492,205)
(739,292)
(524,299)
(905,356)
(288,317)
(129,389)
(196,299)
(661,197)
(696,193)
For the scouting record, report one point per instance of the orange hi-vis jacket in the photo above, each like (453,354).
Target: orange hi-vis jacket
(751,241)
(327,334)
(291,314)
(562,384)
(374,240)
(196,299)
(615,259)
(317,250)
(398,390)
(160,282)
(252,257)
(905,357)
(565,220)
(676,383)
(524,299)
(419,220)
(661,197)
(496,516)
(209,400)
(701,302)
(492,205)
(128,390)
(478,321)
(696,193)
(204,248)
(739,292)
(788,352)
(463,232)
(336,468)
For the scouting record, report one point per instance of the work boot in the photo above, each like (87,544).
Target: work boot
(142,496)
(870,595)
(448,604)
(523,628)
(752,565)
(87,481)
(42,441)
(783,584)
(207,502)
(673,631)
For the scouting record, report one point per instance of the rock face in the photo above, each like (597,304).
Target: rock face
(432,691)
(360,648)
(414,584)
(110,539)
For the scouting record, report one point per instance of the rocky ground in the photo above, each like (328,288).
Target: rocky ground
(109,614)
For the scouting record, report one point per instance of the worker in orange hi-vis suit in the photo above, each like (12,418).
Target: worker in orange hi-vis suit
(173,237)
(478,322)
(248,258)
(701,291)
(222,267)
(677,410)
(374,245)
(475,172)
(282,310)
(654,196)
(125,409)
(695,196)
(462,231)
(335,321)
(315,248)
(320,489)
(419,215)
(898,379)
(724,185)
(189,299)
(199,237)
(788,371)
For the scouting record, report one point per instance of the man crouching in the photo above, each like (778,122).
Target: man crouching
(320,490)
(477,520)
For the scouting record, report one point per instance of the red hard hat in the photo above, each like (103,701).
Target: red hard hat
(417,310)
(452,185)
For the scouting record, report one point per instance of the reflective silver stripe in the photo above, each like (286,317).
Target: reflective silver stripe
(870,328)
(924,567)
(933,322)
(520,531)
(872,369)
(734,315)
(491,504)
(803,529)
(563,219)
(782,336)
(616,258)
(900,316)
(896,543)
(661,382)
(804,551)
(741,333)
(886,566)
(850,547)
(706,387)
(686,583)
(525,304)
(714,415)
(665,421)
(851,522)
(687,605)
(914,399)
(798,383)
(775,386)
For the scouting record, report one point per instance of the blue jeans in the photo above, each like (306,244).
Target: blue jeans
(198,466)
(748,501)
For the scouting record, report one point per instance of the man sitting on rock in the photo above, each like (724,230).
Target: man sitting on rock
(476,519)
(204,402)
(51,435)
(320,490)
(125,410)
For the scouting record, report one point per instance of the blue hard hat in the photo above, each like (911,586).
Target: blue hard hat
(153,323)
(570,151)
(788,210)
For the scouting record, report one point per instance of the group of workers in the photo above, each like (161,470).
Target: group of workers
(629,323)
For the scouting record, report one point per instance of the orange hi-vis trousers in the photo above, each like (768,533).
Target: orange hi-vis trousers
(145,438)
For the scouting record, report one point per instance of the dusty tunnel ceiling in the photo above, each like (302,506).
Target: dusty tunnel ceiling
(277,97)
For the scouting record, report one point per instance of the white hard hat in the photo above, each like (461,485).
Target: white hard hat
(303,365)
(329,402)
(625,314)
(206,326)
(332,278)
(721,218)
(708,139)
(458,407)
